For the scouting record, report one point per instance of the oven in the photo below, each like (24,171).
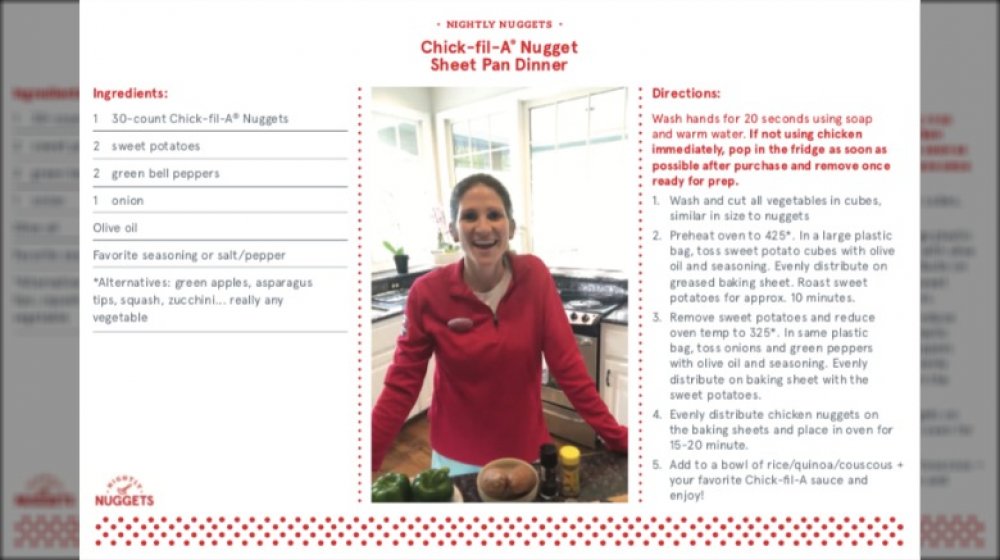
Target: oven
(584,312)
(562,419)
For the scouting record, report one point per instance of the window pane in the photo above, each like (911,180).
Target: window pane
(580,179)
(481,160)
(607,114)
(501,160)
(486,144)
(387,135)
(543,126)
(479,134)
(501,131)
(459,138)
(572,121)
(408,138)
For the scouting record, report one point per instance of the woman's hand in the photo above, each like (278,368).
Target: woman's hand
(619,443)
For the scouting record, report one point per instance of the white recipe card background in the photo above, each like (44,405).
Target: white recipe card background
(267,425)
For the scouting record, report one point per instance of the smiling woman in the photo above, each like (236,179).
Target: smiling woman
(488,319)
(482,224)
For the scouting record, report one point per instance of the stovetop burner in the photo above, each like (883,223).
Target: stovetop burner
(583,304)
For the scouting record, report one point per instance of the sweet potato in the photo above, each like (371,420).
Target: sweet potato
(507,483)
(522,480)
(496,483)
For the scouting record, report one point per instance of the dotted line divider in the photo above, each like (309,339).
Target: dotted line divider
(511,531)
(361,299)
(641,324)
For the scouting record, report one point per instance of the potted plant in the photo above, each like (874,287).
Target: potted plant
(399,256)
(446,252)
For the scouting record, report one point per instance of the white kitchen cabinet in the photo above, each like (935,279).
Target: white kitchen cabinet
(614,370)
(384,335)
(617,386)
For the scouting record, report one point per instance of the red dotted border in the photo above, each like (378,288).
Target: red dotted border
(640,322)
(953,531)
(460,531)
(47,532)
(361,303)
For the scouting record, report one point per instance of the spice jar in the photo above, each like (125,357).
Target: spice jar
(549,459)
(569,457)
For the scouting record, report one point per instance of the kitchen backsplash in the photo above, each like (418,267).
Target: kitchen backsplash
(596,282)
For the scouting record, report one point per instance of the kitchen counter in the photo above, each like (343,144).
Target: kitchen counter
(389,303)
(387,287)
(382,311)
(619,316)
(603,478)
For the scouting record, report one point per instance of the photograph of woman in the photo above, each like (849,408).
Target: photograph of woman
(488,319)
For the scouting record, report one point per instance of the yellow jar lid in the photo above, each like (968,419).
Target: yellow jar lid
(569,455)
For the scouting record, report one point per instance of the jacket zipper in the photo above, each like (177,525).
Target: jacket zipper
(496,317)
(510,288)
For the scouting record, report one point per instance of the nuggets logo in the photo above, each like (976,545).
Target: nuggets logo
(45,491)
(124,490)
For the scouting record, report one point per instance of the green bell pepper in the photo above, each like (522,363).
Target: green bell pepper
(433,485)
(391,487)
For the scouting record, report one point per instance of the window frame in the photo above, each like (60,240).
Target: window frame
(553,98)
(425,157)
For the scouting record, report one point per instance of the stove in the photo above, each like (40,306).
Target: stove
(586,309)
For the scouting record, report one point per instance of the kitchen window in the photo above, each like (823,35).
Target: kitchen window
(481,145)
(485,144)
(403,192)
(578,158)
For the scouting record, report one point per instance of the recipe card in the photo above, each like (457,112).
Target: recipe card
(708,231)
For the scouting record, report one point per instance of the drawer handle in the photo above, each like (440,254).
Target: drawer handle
(607,379)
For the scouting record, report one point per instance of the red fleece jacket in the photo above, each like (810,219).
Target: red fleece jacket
(487,384)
